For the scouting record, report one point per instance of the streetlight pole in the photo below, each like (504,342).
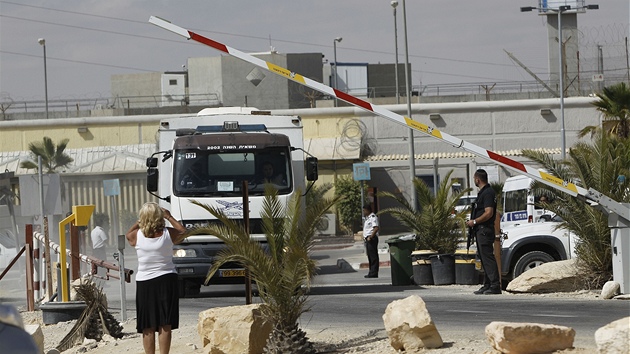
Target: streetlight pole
(559,11)
(412,154)
(42,42)
(338,39)
(563,145)
(394,3)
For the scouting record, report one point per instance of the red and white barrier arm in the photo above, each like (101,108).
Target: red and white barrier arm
(543,177)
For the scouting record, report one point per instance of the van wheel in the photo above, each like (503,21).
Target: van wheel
(531,260)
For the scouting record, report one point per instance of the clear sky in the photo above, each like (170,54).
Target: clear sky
(450,41)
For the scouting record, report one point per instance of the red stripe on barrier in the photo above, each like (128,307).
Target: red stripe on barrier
(209,42)
(355,101)
(517,165)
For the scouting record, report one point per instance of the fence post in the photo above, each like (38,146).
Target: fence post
(36,263)
(30,300)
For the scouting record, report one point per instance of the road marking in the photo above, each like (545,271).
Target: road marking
(467,311)
(566,316)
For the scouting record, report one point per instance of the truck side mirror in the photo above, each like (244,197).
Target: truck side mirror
(152,162)
(152,178)
(311,169)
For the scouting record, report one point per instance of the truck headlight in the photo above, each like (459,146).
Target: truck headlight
(183,253)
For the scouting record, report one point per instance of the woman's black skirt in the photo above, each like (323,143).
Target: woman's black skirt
(157,303)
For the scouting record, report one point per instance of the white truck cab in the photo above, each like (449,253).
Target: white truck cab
(215,158)
(519,203)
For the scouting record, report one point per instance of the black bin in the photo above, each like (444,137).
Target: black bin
(422,273)
(443,269)
(465,272)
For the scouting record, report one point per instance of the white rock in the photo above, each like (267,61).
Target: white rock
(560,276)
(234,329)
(529,338)
(409,325)
(610,289)
(87,341)
(38,336)
(614,338)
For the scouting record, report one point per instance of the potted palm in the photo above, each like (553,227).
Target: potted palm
(438,227)
(284,272)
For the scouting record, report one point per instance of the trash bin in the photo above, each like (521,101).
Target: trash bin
(400,249)
(443,269)
(422,273)
(465,272)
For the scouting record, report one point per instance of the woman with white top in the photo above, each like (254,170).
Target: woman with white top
(157,300)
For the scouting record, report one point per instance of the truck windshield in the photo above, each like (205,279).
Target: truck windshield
(207,173)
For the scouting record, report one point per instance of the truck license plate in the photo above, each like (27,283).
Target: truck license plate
(228,273)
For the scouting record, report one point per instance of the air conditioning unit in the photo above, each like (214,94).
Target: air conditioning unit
(327,224)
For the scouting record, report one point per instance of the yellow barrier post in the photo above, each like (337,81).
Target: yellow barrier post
(80,217)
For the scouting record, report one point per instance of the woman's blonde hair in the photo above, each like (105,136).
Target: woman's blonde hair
(150,219)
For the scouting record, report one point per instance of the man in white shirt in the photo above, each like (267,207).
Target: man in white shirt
(370,236)
(99,240)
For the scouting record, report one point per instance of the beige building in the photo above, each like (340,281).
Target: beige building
(117,146)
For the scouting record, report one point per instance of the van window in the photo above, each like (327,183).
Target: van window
(515,201)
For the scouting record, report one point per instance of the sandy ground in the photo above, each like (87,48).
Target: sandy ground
(186,339)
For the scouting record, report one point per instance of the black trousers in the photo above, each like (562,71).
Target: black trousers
(371,248)
(485,248)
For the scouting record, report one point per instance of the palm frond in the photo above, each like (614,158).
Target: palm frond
(436,225)
(283,273)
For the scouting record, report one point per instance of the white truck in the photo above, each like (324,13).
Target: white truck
(206,158)
(532,233)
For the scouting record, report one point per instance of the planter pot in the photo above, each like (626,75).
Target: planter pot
(55,312)
(465,272)
(443,269)
(422,273)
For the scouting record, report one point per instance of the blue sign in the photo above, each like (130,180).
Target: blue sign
(361,171)
(516,216)
(111,187)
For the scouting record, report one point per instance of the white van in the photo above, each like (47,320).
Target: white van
(519,203)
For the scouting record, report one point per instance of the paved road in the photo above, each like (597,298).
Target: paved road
(342,299)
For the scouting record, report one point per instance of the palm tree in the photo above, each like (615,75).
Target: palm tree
(53,157)
(435,225)
(598,166)
(284,272)
(614,103)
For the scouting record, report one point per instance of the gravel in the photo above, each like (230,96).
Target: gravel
(186,340)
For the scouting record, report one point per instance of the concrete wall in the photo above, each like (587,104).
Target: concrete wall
(271,93)
(382,79)
(308,65)
(205,80)
(135,88)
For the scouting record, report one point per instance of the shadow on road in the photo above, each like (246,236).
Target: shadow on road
(360,289)
(333,269)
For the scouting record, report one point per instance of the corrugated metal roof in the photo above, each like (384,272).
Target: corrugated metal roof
(100,159)
(452,155)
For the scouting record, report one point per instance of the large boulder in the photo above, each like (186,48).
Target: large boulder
(529,338)
(234,329)
(409,325)
(610,289)
(614,338)
(560,276)
(36,333)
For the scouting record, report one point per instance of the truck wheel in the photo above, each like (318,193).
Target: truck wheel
(531,260)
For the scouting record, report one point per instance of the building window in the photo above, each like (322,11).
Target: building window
(172,82)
